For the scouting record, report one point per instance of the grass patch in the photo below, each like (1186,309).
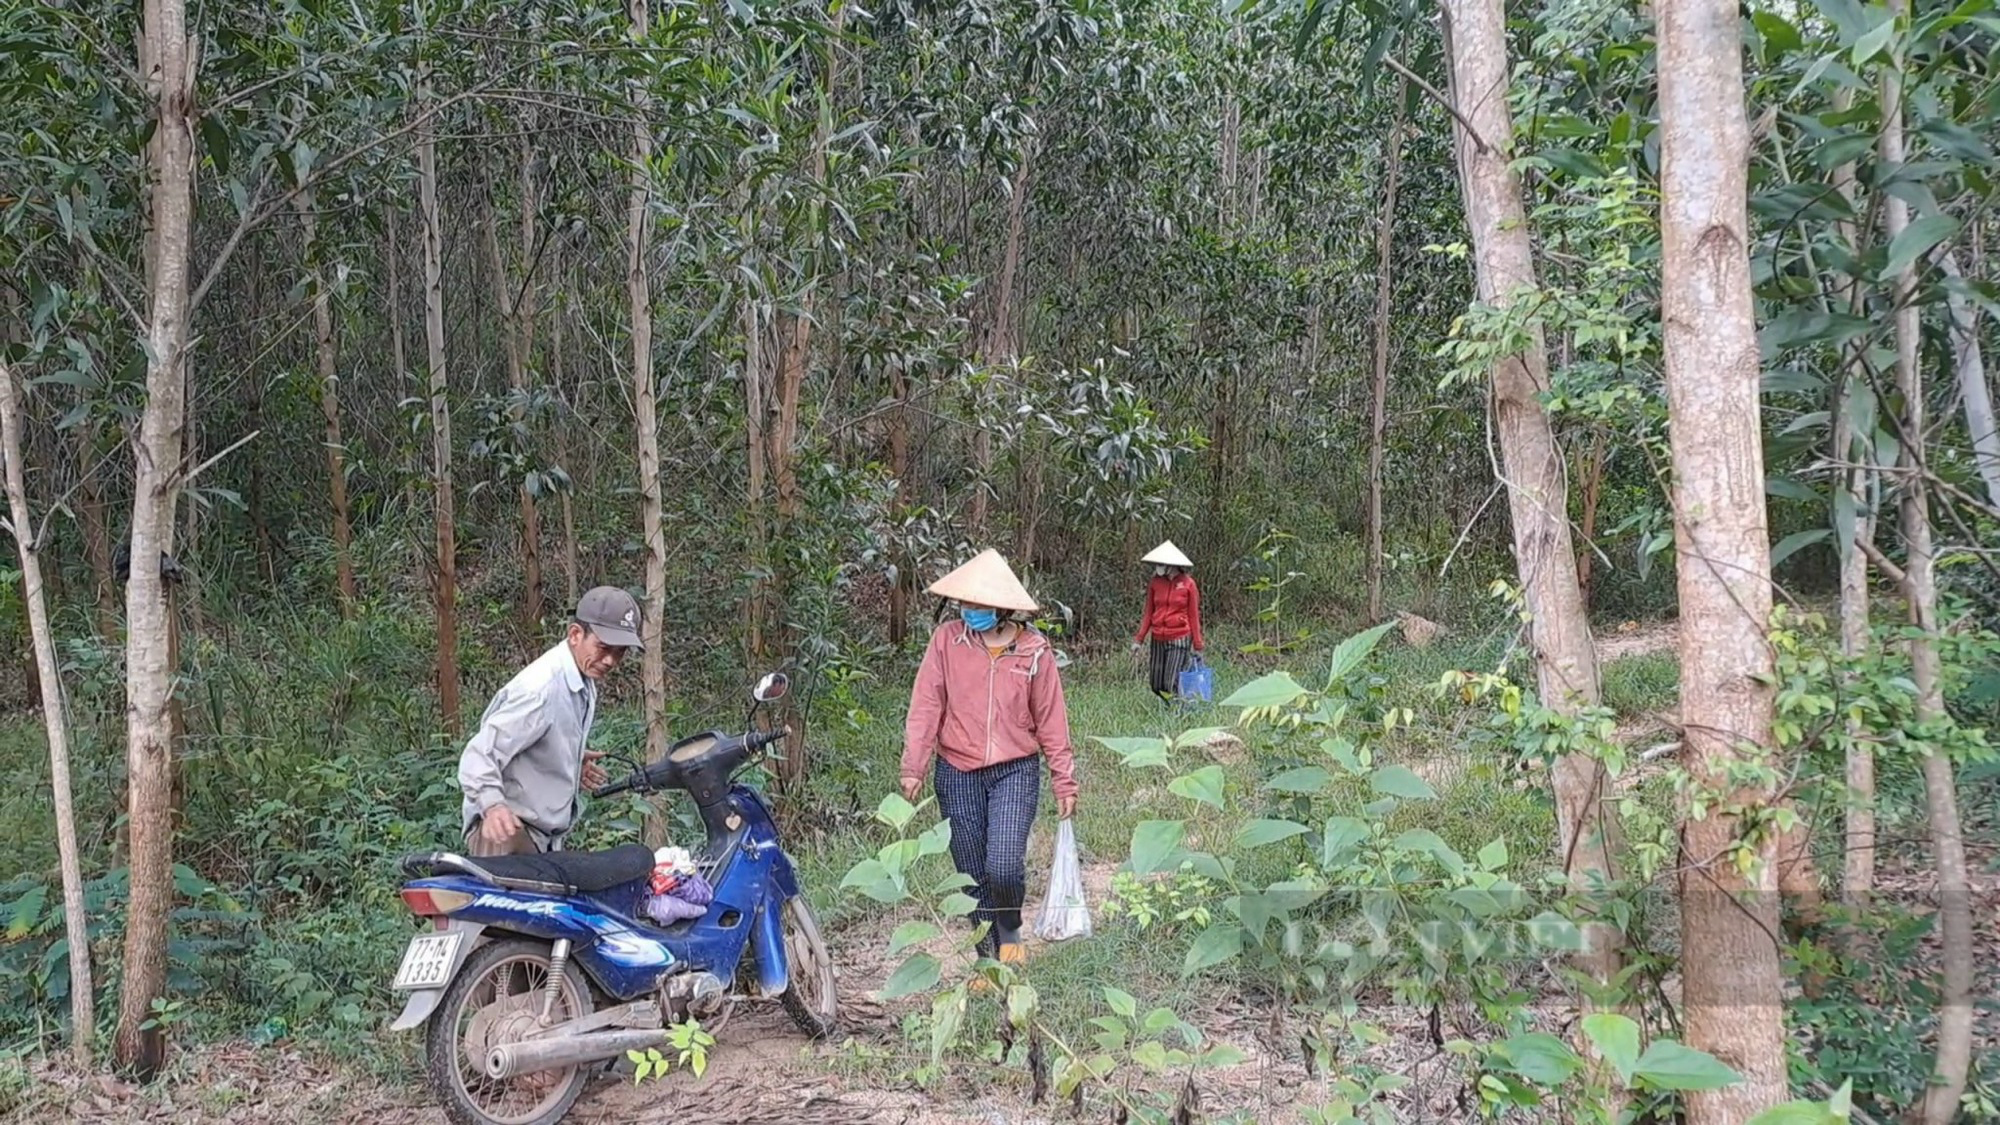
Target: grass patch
(1644,682)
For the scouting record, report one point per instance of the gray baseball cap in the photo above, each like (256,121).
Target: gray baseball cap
(612,614)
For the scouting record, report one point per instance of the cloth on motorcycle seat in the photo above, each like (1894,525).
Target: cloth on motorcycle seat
(584,871)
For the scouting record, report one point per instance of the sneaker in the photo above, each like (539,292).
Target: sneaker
(1013,953)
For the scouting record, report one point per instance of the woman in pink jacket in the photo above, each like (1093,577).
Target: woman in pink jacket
(987,706)
(1172,617)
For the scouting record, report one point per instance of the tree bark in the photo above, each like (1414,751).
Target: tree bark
(517,320)
(563,449)
(168,67)
(445,588)
(76,930)
(1384,292)
(638,285)
(1001,343)
(1565,654)
(899,466)
(1969,363)
(1593,495)
(1732,1005)
(329,404)
(1939,1105)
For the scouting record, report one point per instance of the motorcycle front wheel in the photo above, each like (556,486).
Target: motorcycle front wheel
(810,997)
(497,999)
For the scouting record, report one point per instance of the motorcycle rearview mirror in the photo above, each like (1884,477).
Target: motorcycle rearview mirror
(771,688)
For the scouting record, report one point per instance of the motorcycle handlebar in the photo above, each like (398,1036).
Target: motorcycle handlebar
(754,741)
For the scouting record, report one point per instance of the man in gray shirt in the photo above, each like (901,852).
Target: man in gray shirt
(522,769)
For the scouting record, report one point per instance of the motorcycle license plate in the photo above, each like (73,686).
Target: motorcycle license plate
(427,962)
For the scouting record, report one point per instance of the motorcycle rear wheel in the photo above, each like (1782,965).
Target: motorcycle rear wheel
(810,996)
(496,995)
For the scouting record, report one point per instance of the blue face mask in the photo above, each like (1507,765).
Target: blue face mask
(979,620)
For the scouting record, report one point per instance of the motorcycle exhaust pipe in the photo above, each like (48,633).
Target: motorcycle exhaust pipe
(511,1060)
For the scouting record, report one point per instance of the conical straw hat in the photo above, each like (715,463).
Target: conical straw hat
(1166,554)
(986,580)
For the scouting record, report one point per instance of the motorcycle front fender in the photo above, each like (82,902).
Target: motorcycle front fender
(423,1002)
(773,969)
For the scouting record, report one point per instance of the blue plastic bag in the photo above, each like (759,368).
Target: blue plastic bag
(1197,681)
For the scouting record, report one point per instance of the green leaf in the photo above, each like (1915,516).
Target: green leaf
(1791,544)
(1349,654)
(1493,856)
(1258,833)
(1152,842)
(1780,36)
(957,904)
(1022,1004)
(1342,834)
(1216,944)
(1875,40)
(1917,240)
(911,933)
(1540,1058)
(1616,1037)
(936,840)
(917,974)
(1836,1110)
(1196,737)
(874,880)
(1273,690)
(1398,781)
(1203,785)
(1121,1002)
(1668,1065)
(1137,752)
(1305,779)
(1426,841)
(26,912)
(947,1012)
(894,811)
(1556,932)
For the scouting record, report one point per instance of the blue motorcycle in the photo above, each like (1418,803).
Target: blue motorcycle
(537,968)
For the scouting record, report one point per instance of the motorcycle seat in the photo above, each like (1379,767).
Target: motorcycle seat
(584,872)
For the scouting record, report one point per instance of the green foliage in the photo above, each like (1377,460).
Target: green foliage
(691,1045)
(1167,902)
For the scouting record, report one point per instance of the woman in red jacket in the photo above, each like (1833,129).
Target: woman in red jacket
(1172,616)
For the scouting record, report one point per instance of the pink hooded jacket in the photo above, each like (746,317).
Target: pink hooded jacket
(980,711)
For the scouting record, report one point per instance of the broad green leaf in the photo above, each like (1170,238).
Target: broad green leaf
(874,880)
(1875,39)
(894,811)
(1836,1110)
(1254,911)
(957,904)
(1793,543)
(912,933)
(1292,894)
(1305,779)
(1216,944)
(1540,1058)
(947,1012)
(1917,239)
(956,881)
(1203,785)
(1121,1002)
(1398,781)
(1668,1065)
(1616,1037)
(1348,655)
(1258,833)
(936,839)
(918,974)
(1426,841)
(1196,736)
(1342,833)
(1273,690)
(26,912)
(1137,752)
(1556,932)
(1152,842)
(1222,1054)
(1493,856)
(1022,1004)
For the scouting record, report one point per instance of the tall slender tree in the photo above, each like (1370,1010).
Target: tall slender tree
(1732,1006)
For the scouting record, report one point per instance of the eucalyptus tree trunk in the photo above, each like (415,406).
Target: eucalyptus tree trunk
(904,584)
(645,411)
(446,586)
(516,303)
(324,351)
(1969,362)
(1565,654)
(567,497)
(1732,978)
(76,930)
(168,67)
(1001,343)
(1939,1105)
(1384,289)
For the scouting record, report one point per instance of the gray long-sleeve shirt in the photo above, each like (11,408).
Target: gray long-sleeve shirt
(528,751)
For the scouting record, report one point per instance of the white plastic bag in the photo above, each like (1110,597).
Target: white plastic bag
(1064,912)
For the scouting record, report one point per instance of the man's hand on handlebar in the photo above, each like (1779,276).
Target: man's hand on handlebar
(594,775)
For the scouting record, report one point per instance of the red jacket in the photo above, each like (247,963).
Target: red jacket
(978,710)
(1173,610)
